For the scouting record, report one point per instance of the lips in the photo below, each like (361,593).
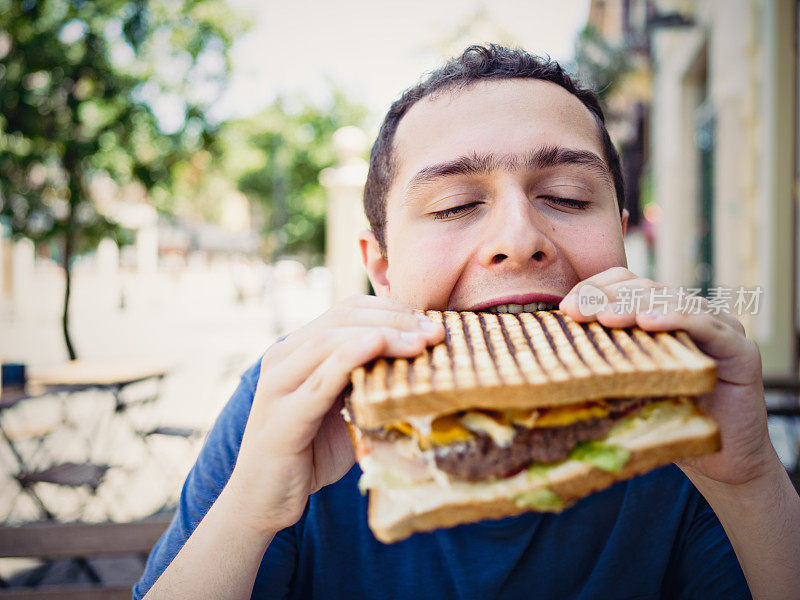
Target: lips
(518,308)
(519,303)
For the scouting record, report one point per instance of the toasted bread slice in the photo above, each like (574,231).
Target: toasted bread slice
(678,431)
(527,360)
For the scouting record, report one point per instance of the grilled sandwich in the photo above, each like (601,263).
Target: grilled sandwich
(517,412)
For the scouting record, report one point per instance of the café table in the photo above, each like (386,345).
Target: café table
(111,378)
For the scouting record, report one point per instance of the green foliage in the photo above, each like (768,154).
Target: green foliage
(78,80)
(599,64)
(281,153)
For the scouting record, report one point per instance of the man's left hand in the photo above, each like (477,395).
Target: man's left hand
(737,402)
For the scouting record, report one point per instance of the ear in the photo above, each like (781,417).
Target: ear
(625,215)
(376,264)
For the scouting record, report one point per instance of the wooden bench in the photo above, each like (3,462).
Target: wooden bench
(78,541)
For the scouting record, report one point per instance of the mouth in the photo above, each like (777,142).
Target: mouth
(518,308)
(519,303)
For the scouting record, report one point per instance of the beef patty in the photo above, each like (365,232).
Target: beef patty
(481,458)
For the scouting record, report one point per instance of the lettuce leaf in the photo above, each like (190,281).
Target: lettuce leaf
(539,499)
(608,457)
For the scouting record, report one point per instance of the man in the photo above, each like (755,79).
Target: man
(492,181)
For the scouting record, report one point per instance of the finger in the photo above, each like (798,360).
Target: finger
(605,278)
(642,295)
(287,374)
(625,297)
(615,315)
(356,310)
(628,298)
(333,450)
(569,304)
(637,290)
(367,301)
(306,406)
(303,409)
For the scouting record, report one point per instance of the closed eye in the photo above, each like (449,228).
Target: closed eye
(568,202)
(449,212)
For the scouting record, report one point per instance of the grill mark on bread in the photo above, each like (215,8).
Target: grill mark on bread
(448,340)
(441,359)
(376,385)
(548,361)
(661,353)
(609,349)
(484,359)
(683,338)
(431,365)
(470,347)
(461,353)
(679,345)
(565,345)
(516,353)
(550,341)
(638,343)
(524,352)
(560,319)
(420,375)
(616,343)
(633,350)
(489,345)
(590,335)
(509,344)
(512,350)
(400,378)
(508,369)
(531,346)
(584,346)
(390,367)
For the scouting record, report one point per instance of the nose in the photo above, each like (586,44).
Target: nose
(516,234)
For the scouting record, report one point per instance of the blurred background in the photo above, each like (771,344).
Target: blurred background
(180,184)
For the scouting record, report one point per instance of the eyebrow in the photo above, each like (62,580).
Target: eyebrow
(482,164)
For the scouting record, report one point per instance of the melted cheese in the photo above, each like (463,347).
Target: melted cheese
(498,429)
(499,426)
(441,431)
(445,430)
(559,417)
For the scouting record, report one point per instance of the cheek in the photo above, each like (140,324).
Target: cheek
(595,249)
(423,274)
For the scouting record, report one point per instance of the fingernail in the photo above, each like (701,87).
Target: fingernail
(409,337)
(371,338)
(427,327)
(426,324)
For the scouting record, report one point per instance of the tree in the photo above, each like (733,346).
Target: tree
(289,144)
(84,92)
(599,64)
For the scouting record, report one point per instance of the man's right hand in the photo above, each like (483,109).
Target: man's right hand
(296,440)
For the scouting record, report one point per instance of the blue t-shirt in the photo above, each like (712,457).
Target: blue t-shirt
(650,537)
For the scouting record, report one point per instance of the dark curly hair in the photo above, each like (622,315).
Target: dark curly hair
(474,64)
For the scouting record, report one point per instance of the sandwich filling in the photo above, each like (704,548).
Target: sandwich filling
(480,445)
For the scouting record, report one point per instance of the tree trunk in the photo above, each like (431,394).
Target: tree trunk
(68,251)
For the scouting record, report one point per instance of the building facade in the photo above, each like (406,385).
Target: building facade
(724,158)
(720,163)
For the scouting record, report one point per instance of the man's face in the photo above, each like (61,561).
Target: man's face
(501,196)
